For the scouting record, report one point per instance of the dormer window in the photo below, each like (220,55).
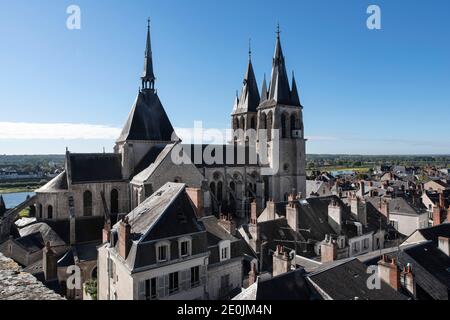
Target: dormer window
(185,247)
(163,251)
(224,250)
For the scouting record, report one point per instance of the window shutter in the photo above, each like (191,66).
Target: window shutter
(166,285)
(185,279)
(203,275)
(141,290)
(161,287)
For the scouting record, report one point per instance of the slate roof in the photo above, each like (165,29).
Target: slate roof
(348,281)
(147,120)
(147,172)
(47,234)
(32,242)
(149,158)
(167,213)
(95,167)
(220,159)
(431,259)
(433,233)
(249,99)
(279,91)
(58,183)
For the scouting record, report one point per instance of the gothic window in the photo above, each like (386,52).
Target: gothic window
(284,122)
(235,124)
(50,212)
(40,210)
(269,126)
(114,201)
(263,121)
(252,123)
(87,203)
(242,125)
(292,121)
(232,186)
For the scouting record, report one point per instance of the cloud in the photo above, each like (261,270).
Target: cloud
(56,131)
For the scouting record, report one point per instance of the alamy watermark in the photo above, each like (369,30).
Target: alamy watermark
(73,21)
(374,20)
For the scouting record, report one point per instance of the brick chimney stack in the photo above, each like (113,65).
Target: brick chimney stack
(408,280)
(292,210)
(384,208)
(270,207)
(253,212)
(252,274)
(437,215)
(389,272)
(106,232)
(335,216)
(441,199)
(196,196)
(282,262)
(124,238)
(328,249)
(49,263)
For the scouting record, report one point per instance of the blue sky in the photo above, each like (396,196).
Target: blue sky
(364,91)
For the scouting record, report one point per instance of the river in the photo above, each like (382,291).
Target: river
(14,199)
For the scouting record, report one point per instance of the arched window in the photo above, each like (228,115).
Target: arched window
(114,201)
(262,121)
(242,126)
(235,124)
(49,212)
(252,123)
(269,126)
(232,186)
(87,203)
(284,128)
(40,210)
(293,122)
(219,190)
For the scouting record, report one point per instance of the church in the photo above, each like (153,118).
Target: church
(268,133)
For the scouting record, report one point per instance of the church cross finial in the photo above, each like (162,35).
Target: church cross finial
(278,30)
(250,49)
(148,23)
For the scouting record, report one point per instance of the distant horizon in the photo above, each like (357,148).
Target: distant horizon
(364,92)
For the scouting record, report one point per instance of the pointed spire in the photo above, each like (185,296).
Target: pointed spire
(249,100)
(148,77)
(295,99)
(264,90)
(279,85)
(2,205)
(236,101)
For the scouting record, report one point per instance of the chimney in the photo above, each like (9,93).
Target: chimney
(227,222)
(444,245)
(124,238)
(361,191)
(292,210)
(441,199)
(359,210)
(408,280)
(436,215)
(252,274)
(49,263)
(253,213)
(106,232)
(389,272)
(384,208)
(282,262)
(196,196)
(270,207)
(335,216)
(328,249)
